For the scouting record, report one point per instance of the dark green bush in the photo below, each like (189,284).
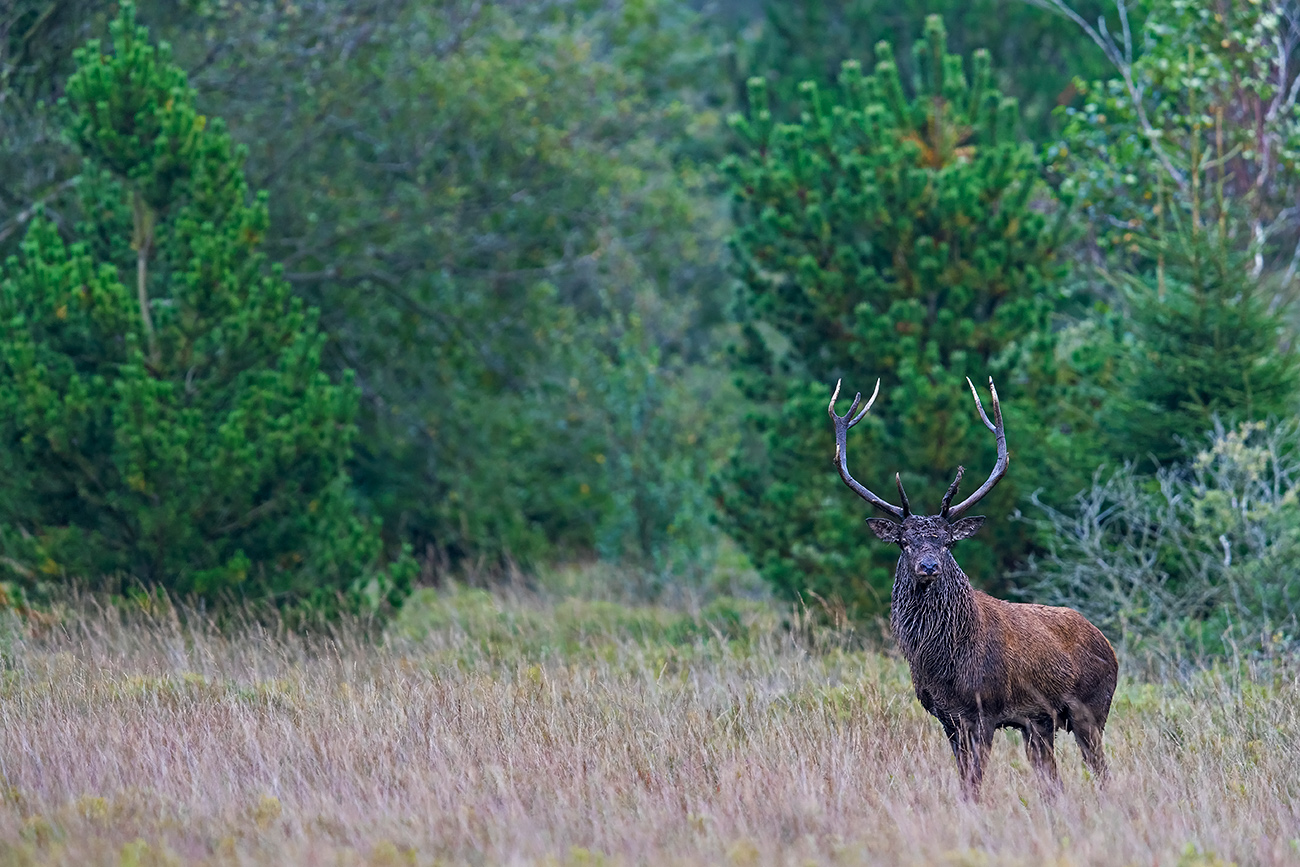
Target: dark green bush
(908,239)
(1208,343)
(163,413)
(1198,558)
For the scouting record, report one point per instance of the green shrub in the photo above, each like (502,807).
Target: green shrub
(163,413)
(1184,166)
(906,239)
(483,625)
(1198,558)
(1199,122)
(1209,341)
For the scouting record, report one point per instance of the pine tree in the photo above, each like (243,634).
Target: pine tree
(1185,167)
(163,413)
(809,40)
(1207,342)
(905,239)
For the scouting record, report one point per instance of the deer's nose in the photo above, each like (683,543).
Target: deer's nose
(928,566)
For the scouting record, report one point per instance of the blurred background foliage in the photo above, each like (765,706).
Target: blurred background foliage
(910,240)
(1036,56)
(593,267)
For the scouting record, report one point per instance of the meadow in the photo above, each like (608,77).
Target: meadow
(509,729)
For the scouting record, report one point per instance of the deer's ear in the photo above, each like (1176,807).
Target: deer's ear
(967,527)
(885,529)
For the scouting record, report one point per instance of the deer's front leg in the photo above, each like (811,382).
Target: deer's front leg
(966,750)
(954,738)
(1040,741)
(974,740)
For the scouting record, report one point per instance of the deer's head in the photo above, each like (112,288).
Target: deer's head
(925,540)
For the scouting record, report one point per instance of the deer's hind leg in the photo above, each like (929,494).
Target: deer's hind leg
(1088,727)
(1094,757)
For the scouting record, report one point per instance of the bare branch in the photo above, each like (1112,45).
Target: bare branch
(1290,273)
(1291,96)
(1128,35)
(30,211)
(1122,60)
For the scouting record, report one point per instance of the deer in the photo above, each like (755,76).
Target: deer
(979,663)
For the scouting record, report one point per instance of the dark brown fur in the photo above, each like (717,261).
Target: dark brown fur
(979,663)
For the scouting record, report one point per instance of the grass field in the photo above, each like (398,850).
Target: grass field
(490,731)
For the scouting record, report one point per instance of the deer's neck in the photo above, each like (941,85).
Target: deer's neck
(934,623)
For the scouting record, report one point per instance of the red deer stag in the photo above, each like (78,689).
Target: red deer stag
(979,663)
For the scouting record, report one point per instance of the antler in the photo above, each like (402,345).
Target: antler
(999,469)
(952,491)
(842,425)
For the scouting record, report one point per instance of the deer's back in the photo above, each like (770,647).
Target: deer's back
(1028,660)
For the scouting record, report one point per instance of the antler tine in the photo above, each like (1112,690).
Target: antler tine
(857,399)
(952,492)
(902,495)
(979,406)
(835,395)
(842,424)
(857,418)
(999,468)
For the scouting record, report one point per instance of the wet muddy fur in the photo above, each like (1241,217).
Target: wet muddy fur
(979,663)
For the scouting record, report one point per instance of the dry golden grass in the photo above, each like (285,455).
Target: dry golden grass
(484,732)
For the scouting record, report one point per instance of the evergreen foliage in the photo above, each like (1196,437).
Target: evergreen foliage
(1035,52)
(1208,344)
(1184,165)
(163,412)
(905,239)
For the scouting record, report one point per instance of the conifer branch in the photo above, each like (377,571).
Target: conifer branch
(142,243)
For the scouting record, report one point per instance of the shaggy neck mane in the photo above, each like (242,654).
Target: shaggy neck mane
(933,622)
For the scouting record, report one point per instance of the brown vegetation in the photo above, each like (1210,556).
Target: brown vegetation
(508,733)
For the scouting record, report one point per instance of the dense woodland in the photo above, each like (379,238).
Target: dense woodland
(313,302)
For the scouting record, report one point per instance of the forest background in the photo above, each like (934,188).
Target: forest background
(313,302)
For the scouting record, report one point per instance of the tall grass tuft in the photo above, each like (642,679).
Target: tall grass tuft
(493,730)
